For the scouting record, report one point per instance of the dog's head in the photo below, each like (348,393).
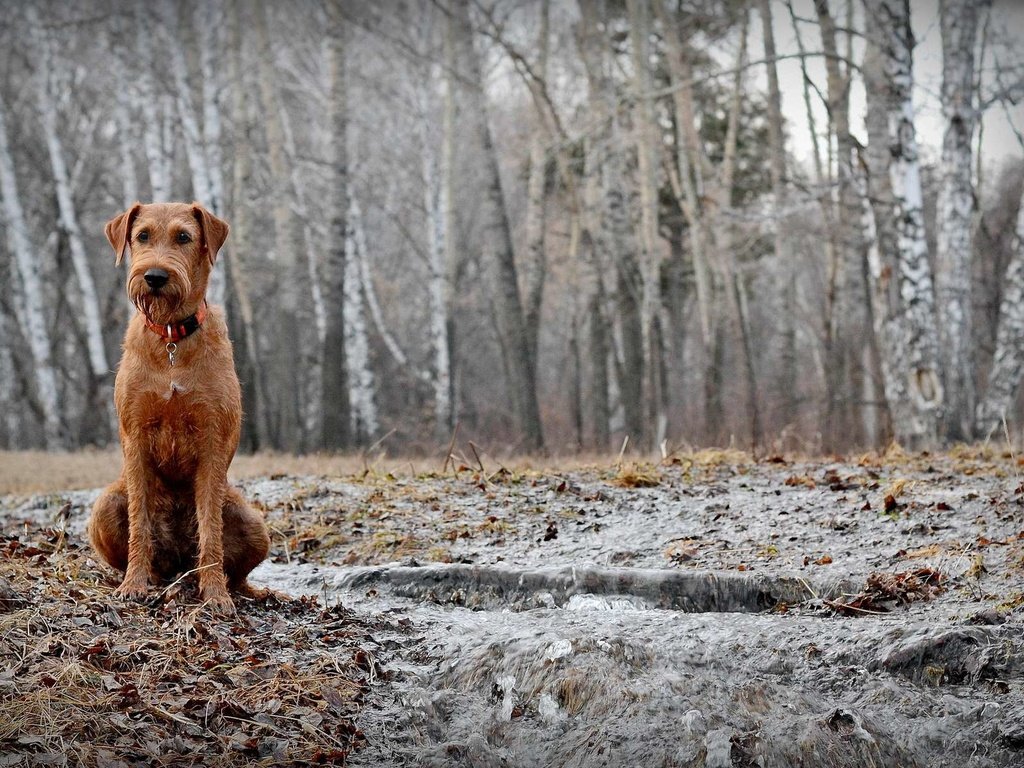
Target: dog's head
(172,248)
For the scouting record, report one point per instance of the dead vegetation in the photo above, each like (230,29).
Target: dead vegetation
(884,591)
(89,680)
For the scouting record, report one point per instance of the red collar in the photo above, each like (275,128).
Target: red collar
(180,330)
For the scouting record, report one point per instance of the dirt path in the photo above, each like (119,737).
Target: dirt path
(712,611)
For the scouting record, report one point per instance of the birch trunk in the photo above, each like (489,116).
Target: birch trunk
(9,406)
(596,251)
(209,24)
(786,275)
(688,197)
(648,135)
(598,343)
(725,251)
(157,140)
(535,266)
(844,319)
(628,288)
(86,288)
(437,243)
(32,313)
(919,427)
(312,344)
(452,256)
(336,428)
(357,348)
(290,341)
(498,250)
(198,142)
(959,20)
(252,372)
(1008,360)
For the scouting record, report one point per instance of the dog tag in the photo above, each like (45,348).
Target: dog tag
(171,349)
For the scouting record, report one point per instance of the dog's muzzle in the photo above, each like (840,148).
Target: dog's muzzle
(156,278)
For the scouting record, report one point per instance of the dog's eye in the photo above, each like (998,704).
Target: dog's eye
(143,236)
(184,237)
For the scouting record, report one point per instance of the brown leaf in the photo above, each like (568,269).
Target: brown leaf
(333,697)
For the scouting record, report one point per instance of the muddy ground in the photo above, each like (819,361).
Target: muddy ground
(708,610)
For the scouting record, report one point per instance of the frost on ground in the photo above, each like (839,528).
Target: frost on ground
(707,610)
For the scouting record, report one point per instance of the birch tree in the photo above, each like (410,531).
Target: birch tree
(498,247)
(844,296)
(787,381)
(48,94)
(357,346)
(336,426)
(648,138)
(201,138)
(1008,360)
(955,217)
(28,293)
(239,254)
(919,426)
(438,236)
(535,264)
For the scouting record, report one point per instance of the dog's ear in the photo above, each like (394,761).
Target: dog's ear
(214,230)
(119,231)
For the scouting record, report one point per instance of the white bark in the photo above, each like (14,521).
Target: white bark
(888,329)
(157,133)
(1008,361)
(31,302)
(86,287)
(437,280)
(357,346)
(919,326)
(535,266)
(197,143)
(8,403)
(959,19)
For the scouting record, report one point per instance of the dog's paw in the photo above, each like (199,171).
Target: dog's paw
(260,594)
(136,589)
(219,602)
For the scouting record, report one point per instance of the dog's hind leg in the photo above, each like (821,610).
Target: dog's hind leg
(246,543)
(108,525)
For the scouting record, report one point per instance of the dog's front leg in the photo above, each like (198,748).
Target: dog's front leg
(211,488)
(140,526)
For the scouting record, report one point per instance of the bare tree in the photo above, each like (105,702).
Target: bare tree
(955,218)
(499,252)
(918,426)
(28,293)
(1008,360)
(336,423)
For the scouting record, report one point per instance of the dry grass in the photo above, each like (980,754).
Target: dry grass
(89,680)
(24,472)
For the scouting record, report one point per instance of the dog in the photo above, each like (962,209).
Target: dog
(179,410)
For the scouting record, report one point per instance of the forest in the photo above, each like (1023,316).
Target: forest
(549,225)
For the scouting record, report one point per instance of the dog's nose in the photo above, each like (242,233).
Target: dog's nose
(155,278)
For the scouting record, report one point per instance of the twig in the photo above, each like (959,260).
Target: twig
(476,456)
(622,450)
(1009,446)
(451,447)
(368,451)
(185,575)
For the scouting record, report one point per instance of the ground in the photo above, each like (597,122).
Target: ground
(703,609)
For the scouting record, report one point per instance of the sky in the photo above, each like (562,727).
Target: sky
(999,140)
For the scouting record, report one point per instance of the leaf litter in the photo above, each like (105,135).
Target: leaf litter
(86,679)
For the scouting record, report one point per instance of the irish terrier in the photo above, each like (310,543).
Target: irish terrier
(180,410)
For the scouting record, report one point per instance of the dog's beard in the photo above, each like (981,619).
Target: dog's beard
(161,307)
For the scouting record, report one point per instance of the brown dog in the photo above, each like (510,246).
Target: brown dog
(180,409)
